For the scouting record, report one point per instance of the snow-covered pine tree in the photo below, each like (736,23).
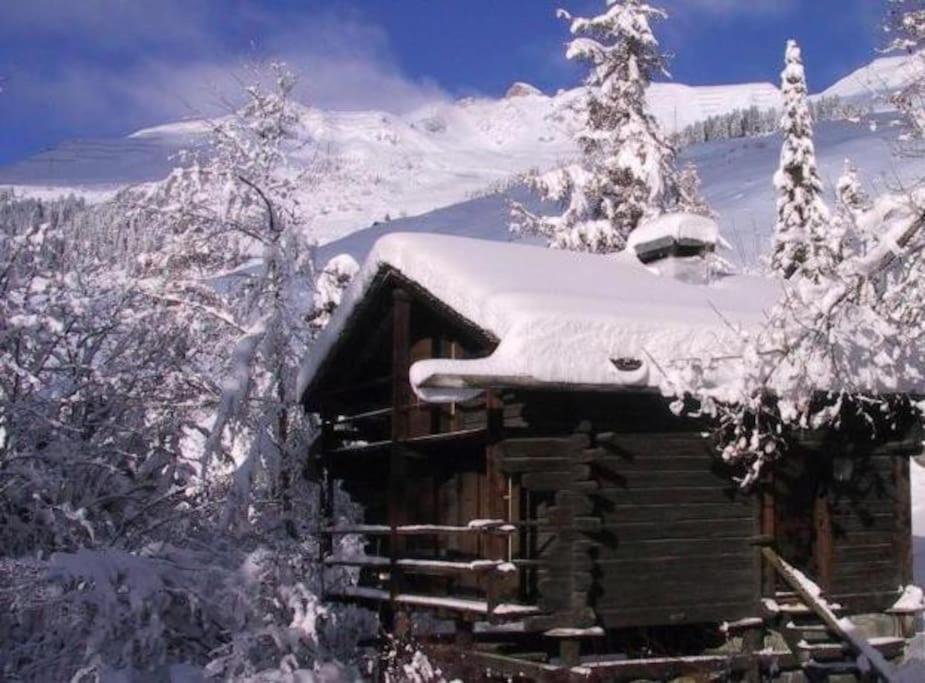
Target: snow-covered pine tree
(626,172)
(851,203)
(690,193)
(802,244)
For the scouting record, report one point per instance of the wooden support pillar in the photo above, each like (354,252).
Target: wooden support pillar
(903,518)
(753,643)
(325,500)
(465,636)
(824,547)
(401,364)
(769,529)
(401,398)
(570,652)
(495,494)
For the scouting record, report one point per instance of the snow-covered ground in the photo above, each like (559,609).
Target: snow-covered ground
(737,181)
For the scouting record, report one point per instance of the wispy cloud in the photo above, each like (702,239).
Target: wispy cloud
(133,64)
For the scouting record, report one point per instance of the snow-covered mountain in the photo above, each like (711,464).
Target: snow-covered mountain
(379,164)
(870,83)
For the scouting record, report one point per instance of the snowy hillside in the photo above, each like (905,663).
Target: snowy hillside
(379,164)
(870,83)
(737,181)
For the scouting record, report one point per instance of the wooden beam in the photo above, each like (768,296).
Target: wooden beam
(401,361)
(809,594)
(472,664)
(769,527)
(495,498)
(904,553)
(824,547)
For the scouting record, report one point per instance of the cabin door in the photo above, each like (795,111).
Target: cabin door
(802,529)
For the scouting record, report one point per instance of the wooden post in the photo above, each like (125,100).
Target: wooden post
(808,593)
(325,501)
(401,361)
(570,652)
(769,526)
(496,489)
(824,547)
(903,518)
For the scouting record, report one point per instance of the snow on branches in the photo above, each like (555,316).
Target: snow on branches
(237,250)
(842,351)
(905,24)
(331,283)
(155,514)
(802,242)
(626,173)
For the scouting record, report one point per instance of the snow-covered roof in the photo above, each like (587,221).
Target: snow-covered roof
(561,318)
(683,228)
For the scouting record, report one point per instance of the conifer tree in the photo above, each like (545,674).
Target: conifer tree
(801,244)
(626,172)
(851,203)
(690,193)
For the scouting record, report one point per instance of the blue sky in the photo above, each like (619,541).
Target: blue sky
(100,68)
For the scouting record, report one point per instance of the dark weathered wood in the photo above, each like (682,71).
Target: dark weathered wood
(705,513)
(824,546)
(660,479)
(667,614)
(865,602)
(727,586)
(524,465)
(544,447)
(659,549)
(573,479)
(903,529)
(674,565)
(678,495)
(495,503)
(740,529)
(862,554)
(670,445)
(401,392)
(809,597)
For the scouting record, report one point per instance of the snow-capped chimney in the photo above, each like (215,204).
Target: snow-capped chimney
(677,245)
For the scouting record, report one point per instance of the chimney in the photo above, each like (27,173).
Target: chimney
(677,245)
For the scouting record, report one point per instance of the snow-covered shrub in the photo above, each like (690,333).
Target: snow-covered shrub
(156,517)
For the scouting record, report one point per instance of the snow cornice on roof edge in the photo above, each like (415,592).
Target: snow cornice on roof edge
(561,318)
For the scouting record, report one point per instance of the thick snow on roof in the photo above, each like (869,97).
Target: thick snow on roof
(561,318)
(677,227)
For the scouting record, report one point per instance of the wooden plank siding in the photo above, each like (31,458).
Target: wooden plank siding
(660,534)
(626,517)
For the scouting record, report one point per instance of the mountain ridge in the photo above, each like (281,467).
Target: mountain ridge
(380,165)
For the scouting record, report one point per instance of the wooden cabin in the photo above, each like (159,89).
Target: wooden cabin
(495,409)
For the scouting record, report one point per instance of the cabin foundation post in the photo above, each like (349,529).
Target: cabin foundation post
(465,636)
(753,642)
(902,481)
(570,652)
(401,390)
(823,548)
